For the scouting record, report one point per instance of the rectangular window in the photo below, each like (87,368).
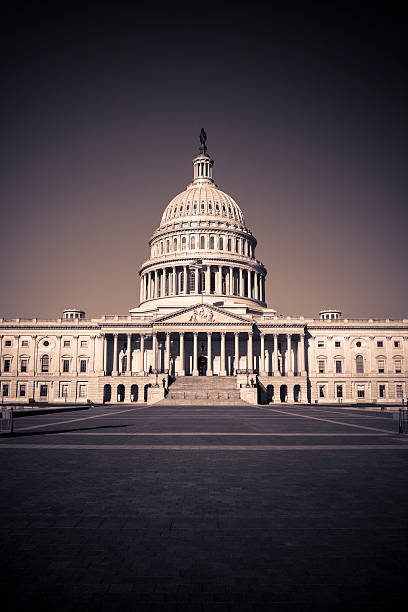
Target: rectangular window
(396,343)
(381,366)
(22,390)
(23,365)
(398,366)
(192,281)
(8,343)
(381,390)
(67,342)
(322,391)
(337,343)
(84,343)
(399,391)
(320,343)
(321,366)
(82,390)
(7,364)
(339,391)
(64,390)
(43,390)
(65,365)
(24,343)
(82,365)
(5,390)
(338,367)
(360,391)
(380,343)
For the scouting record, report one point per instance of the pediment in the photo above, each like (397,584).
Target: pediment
(203,314)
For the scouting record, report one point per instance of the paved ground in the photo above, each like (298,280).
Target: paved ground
(226,508)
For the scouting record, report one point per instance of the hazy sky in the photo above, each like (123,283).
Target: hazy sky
(305,111)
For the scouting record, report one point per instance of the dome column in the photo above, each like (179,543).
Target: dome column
(241,283)
(219,281)
(184,283)
(231,280)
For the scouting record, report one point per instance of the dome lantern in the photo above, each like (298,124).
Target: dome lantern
(203,163)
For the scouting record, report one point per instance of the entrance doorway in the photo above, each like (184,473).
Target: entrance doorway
(202,365)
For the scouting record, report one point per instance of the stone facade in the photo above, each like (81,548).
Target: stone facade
(202,312)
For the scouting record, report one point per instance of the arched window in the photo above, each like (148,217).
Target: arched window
(236,245)
(45,363)
(243,247)
(211,245)
(161,247)
(221,243)
(202,242)
(359,364)
(174,244)
(167,246)
(183,243)
(192,242)
(229,244)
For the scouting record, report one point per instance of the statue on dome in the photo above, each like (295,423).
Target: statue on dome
(203,140)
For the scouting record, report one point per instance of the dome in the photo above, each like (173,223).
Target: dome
(202,199)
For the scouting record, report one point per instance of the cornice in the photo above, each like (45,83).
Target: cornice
(165,262)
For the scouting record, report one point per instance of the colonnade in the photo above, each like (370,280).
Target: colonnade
(288,355)
(210,279)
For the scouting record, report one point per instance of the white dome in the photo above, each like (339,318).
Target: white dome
(202,200)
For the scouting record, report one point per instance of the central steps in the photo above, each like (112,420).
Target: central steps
(204,389)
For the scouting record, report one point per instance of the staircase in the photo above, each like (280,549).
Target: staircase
(203,390)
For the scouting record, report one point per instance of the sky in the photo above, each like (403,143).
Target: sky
(305,112)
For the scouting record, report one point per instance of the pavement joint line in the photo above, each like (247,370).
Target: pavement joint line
(308,416)
(95,416)
(219,434)
(212,447)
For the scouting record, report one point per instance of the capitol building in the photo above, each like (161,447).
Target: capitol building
(202,332)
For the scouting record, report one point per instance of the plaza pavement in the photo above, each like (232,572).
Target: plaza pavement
(204,508)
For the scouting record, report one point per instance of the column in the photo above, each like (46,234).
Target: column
(167,357)
(209,355)
(181,367)
(115,355)
(250,351)
(1,354)
(195,360)
(154,348)
(141,289)
(129,349)
(142,351)
(301,355)
(105,355)
(59,340)
(156,287)
(174,283)
(241,282)
(219,280)
(184,285)
(275,355)
(288,364)
(223,371)
(262,364)
(231,280)
(208,279)
(256,286)
(236,351)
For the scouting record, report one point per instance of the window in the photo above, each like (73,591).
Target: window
(339,391)
(192,242)
(43,390)
(22,391)
(65,365)
(46,343)
(322,391)
(359,364)
(398,366)
(381,366)
(360,391)
(236,245)
(358,343)
(337,343)
(202,242)
(82,365)
(5,390)
(396,343)
(229,244)
(67,342)
(45,363)
(7,365)
(167,246)
(211,246)
(221,244)
(24,343)
(339,365)
(84,343)
(174,244)
(192,281)
(23,365)
(8,343)
(183,243)
(321,366)
(380,343)
(381,390)
(82,390)
(64,390)
(399,391)
(320,343)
